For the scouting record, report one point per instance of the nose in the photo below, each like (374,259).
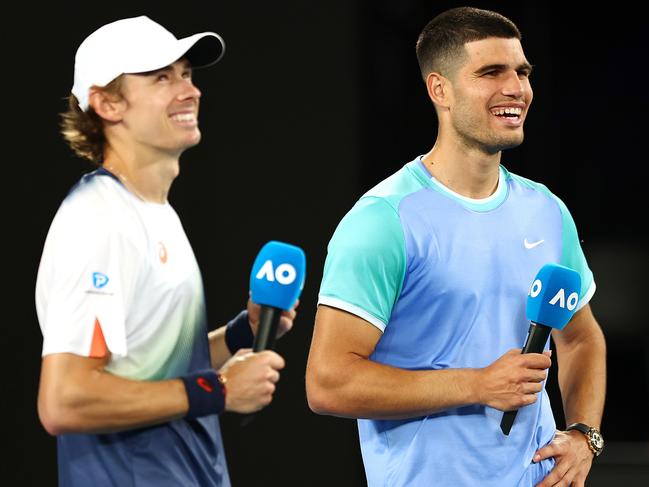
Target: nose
(188,91)
(514,86)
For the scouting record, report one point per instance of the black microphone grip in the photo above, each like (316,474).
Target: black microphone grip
(537,337)
(264,339)
(267,329)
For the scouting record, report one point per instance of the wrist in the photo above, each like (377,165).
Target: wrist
(580,442)
(238,333)
(206,393)
(475,386)
(592,437)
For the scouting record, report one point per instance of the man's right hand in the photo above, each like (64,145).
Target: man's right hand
(514,380)
(250,380)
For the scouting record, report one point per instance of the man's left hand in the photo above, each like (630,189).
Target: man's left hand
(285,322)
(573,460)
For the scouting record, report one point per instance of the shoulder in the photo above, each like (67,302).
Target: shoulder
(407,180)
(96,208)
(539,189)
(374,221)
(96,194)
(527,183)
(371,228)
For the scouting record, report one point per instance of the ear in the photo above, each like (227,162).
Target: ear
(438,89)
(109,107)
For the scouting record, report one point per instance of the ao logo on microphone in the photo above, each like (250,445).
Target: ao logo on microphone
(284,273)
(559,297)
(277,275)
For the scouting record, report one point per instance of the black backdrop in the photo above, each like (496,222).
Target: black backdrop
(313,103)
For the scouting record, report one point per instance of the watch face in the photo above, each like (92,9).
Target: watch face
(596,439)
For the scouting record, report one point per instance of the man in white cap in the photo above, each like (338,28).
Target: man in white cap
(131,381)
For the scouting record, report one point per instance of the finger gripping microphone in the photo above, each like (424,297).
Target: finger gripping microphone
(551,302)
(276,281)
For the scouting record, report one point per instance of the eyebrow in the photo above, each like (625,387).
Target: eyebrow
(502,67)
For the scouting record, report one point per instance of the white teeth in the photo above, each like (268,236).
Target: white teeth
(510,111)
(184,117)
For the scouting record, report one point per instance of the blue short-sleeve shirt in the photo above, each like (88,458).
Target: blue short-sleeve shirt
(445,278)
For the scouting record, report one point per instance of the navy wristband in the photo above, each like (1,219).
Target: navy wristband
(238,333)
(205,393)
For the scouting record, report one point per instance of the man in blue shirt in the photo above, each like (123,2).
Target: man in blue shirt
(422,302)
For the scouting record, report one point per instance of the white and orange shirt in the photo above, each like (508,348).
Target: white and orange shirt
(118,276)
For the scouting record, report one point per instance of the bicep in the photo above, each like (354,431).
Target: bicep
(64,378)
(581,328)
(339,335)
(61,372)
(340,341)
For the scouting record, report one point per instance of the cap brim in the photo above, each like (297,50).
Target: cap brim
(203,49)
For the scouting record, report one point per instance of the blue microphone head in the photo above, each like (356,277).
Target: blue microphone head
(554,295)
(277,276)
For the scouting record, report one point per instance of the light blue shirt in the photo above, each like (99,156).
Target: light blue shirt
(446,278)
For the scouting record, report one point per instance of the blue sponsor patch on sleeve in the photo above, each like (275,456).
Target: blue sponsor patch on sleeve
(99,280)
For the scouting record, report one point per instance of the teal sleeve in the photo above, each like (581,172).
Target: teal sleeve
(366,261)
(573,256)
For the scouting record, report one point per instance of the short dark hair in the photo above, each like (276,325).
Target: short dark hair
(441,43)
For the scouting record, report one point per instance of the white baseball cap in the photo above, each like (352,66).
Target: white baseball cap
(136,45)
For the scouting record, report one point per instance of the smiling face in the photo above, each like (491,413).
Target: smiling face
(161,108)
(490,94)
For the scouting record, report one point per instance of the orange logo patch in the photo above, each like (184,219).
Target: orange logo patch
(162,252)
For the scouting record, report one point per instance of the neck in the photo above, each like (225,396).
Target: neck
(147,176)
(467,171)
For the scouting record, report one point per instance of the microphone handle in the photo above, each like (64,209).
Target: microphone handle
(264,340)
(537,337)
(267,330)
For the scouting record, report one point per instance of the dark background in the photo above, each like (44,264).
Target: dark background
(314,103)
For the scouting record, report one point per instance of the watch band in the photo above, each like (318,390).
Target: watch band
(579,427)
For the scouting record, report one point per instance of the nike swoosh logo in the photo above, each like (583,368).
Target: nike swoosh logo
(533,244)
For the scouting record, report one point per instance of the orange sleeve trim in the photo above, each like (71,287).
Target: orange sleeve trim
(98,348)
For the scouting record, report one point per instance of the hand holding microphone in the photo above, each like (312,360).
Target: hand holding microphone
(251,379)
(551,302)
(513,380)
(276,281)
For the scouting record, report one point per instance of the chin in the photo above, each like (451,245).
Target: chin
(193,140)
(505,143)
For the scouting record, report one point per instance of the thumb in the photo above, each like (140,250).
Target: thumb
(243,351)
(274,359)
(545,452)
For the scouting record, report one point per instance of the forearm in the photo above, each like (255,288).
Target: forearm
(219,352)
(95,401)
(582,380)
(358,387)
